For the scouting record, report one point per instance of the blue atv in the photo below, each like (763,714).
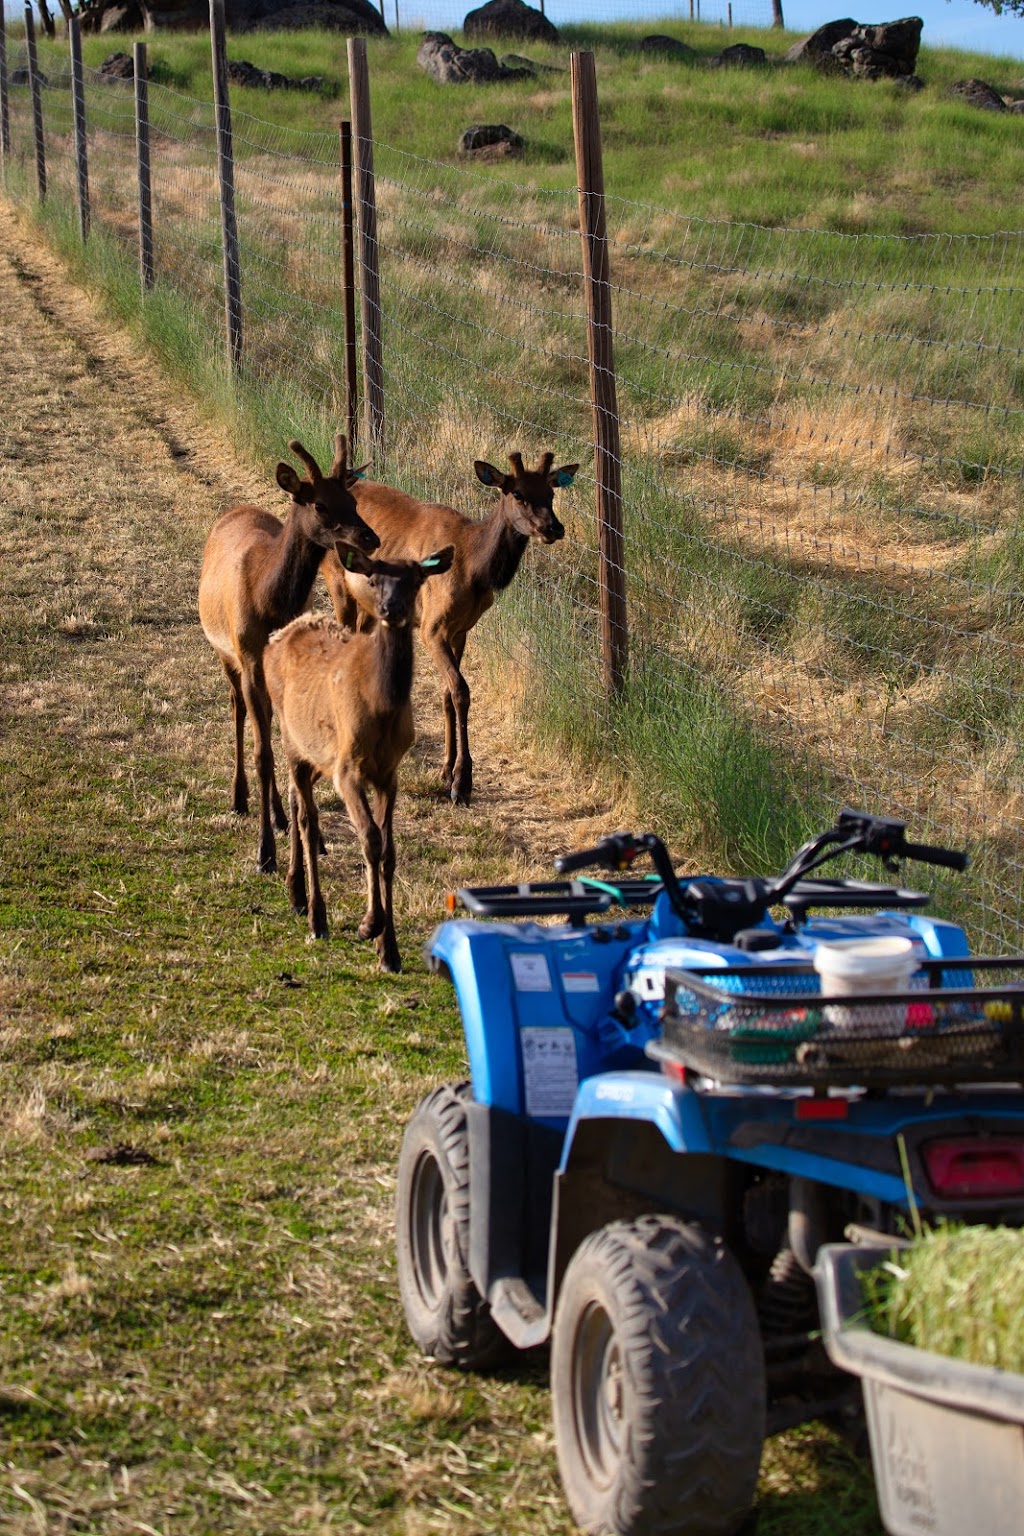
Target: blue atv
(666,1119)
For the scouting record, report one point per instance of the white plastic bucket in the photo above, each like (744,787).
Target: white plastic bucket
(860,967)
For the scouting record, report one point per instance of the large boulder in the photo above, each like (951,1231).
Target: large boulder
(348,16)
(448,64)
(884,50)
(491,141)
(509,18)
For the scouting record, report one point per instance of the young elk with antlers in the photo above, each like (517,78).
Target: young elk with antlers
(257,575)
(343,702)
(487,556)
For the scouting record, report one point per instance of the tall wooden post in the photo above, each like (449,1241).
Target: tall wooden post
(37,102)
(777,20)
(81,143)
(226,174)
(141,74)
(600,349)
(5,106)
(366,223)
(349,282)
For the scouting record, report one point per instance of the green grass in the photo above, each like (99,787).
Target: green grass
(957,1291)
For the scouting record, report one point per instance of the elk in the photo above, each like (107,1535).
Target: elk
(343,702)
(487,556)
(257,574)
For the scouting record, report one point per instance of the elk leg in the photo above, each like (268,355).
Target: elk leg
(239,782)
(387,943)
(309,833)
(447,656)
(258,705)
(296,881)
(369,834)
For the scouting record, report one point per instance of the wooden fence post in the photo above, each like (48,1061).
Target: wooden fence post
(37,102)
(81,143)
(141,74)
(366,221)
(600,349)
(5,107)
(226,172)
(349,281)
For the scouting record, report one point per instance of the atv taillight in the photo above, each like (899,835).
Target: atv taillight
(976,1167)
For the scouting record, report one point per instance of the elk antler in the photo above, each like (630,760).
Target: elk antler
(340,457)
(546,461)
(516,460)
(307,459)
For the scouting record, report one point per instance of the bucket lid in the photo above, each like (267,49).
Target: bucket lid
(866,957)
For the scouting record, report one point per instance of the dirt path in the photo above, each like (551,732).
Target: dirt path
(90,423)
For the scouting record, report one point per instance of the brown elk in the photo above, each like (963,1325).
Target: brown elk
(487,556)
(257,574)
(344,706)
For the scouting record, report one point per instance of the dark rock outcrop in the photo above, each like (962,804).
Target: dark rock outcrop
(667,47)
(884,51)
(739,56)
(348,16)
(119,66)
(491,141)
(448,64)
(241,72)
(509,18)
(978,93)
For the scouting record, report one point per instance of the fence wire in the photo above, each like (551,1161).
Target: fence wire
(821,436)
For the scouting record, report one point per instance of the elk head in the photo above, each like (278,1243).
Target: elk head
(387,589)
(329,497)
(527,496)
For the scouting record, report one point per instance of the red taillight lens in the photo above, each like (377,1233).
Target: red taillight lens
(976,1166)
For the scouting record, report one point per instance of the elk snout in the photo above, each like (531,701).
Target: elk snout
(552,532)
(362,536)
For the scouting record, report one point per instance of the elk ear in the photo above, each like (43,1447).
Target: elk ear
(488,475)
(353,559)
(289,481)
(357,474)
(439,562)
(564,476)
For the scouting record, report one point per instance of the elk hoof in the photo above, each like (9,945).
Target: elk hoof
(389,958)
(460,796)
(267,863)
(370,927)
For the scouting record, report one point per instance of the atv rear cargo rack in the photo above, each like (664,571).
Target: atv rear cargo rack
(770,1024)
(573,899)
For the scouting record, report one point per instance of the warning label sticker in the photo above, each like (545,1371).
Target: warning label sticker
(530,972)
(550,1074)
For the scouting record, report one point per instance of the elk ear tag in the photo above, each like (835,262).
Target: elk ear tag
(440,561)
(565,476)
(487,474)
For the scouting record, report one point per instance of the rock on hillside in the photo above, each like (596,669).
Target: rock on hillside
(349,16)
(886,50)
(509,18)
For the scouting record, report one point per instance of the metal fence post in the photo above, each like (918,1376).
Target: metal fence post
(81,143)
(226,173)
(369,271)
(600,349)
(141,74)
(37,102)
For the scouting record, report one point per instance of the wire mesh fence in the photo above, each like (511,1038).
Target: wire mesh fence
(821,444)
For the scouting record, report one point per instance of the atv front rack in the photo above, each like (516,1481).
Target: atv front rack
(573,899)
(770,1024)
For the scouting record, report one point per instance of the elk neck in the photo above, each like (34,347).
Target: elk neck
(288,580)
(392,663)
(495,551)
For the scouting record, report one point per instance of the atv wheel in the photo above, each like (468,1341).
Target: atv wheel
(446,1314)
(658,1383)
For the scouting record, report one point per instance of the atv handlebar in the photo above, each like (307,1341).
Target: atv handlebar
(719,908)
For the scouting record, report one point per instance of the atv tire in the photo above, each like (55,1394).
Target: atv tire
(658,1383)
(445,1313)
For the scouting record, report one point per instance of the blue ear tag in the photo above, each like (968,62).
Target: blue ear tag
(348,561)
(358,474)
(430,562)
(563,479)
